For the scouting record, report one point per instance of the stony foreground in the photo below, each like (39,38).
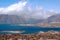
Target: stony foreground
(51,35)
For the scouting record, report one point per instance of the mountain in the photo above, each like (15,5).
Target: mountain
(8,19)
(54,18)
(17,19)
(52,21)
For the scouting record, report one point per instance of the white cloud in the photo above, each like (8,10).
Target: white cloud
(14,7)
(39,7)
(19,8)
(51,10)
(1,9)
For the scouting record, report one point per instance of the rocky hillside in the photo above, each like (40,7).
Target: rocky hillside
(54,18)
(52,21)
(8,19)
(17,19)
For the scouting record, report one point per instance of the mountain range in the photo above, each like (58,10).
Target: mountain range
(16,19)
(53,20)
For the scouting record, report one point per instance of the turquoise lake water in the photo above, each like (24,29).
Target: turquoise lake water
(27,29)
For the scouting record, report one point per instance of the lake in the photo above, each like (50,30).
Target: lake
(27,29)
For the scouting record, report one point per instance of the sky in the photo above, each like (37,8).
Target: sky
(30,8)
(5,3)
(46,4)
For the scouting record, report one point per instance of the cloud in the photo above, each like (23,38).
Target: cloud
(17,6)
(1,9)
(14,7)
(21,8)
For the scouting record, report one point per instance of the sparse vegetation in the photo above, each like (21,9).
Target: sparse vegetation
(51,35)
